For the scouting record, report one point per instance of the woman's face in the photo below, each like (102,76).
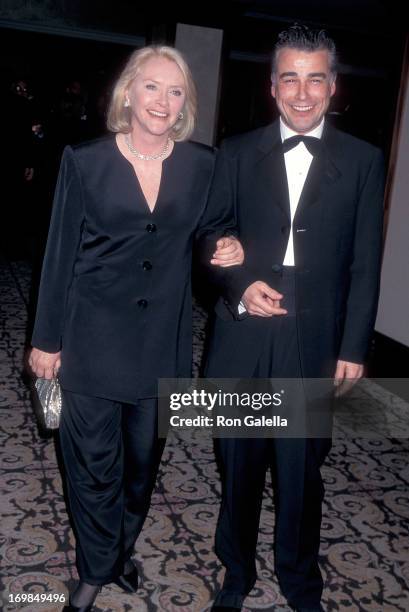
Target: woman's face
(156,95)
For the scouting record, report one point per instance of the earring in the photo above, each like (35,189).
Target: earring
(127,103)
(180,115)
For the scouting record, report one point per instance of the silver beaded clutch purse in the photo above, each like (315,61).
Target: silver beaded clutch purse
(49,394)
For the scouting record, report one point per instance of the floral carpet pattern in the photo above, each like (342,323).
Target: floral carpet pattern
(365,534)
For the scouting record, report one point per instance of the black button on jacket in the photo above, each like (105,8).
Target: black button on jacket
(119,326)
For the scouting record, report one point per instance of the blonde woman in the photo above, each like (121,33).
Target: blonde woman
(114,311)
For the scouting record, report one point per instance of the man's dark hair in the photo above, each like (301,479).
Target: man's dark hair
(303,38)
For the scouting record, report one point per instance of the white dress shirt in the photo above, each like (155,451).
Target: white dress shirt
(297,164)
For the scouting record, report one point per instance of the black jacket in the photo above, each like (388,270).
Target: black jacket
(115,292)
(337,233)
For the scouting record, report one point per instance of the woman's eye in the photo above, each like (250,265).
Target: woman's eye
(175,92)
(150,86)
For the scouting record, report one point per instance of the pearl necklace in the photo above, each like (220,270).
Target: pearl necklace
(135,152)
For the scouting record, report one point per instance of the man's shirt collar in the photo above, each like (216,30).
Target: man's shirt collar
(287,132)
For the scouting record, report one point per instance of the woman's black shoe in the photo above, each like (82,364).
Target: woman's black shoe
(85,593)
(128,582)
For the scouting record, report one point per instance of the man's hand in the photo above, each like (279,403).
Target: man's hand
(263,301)
(44,365)
(346,375)
(229,252)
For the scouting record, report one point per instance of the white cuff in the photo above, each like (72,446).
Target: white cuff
(241,308)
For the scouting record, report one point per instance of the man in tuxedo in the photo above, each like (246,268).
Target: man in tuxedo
(308,205)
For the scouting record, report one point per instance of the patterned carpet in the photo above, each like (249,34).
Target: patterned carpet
(365,547)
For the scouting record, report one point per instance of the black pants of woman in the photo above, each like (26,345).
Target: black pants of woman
(111,456)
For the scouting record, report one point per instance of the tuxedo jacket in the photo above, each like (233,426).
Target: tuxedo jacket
(115,293)
(337,233)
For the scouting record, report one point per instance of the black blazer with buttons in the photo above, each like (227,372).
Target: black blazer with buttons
(337,233)
(115,293)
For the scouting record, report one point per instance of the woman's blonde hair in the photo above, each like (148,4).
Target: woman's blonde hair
(119,116)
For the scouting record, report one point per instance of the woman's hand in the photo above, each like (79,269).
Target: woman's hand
(229,252)
(44,365)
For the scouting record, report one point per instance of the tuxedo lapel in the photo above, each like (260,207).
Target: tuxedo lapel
(270,170)
(331,153)
(271,185)
(323,171)
(312,186)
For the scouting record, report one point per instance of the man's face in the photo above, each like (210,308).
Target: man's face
(302,87)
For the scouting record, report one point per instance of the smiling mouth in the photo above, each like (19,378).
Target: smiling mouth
(157,114)
(302,109)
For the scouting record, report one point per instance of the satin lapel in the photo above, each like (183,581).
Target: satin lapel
(312,186)
(270,170)
(332,152)
(323,171)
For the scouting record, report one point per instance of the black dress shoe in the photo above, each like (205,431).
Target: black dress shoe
(228,601)
(128,582)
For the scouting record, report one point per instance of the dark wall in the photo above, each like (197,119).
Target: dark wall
(369,36)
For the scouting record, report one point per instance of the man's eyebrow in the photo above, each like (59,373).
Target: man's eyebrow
(322,75)
(287,74)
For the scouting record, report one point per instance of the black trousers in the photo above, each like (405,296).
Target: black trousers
(111,457)
(298,490)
